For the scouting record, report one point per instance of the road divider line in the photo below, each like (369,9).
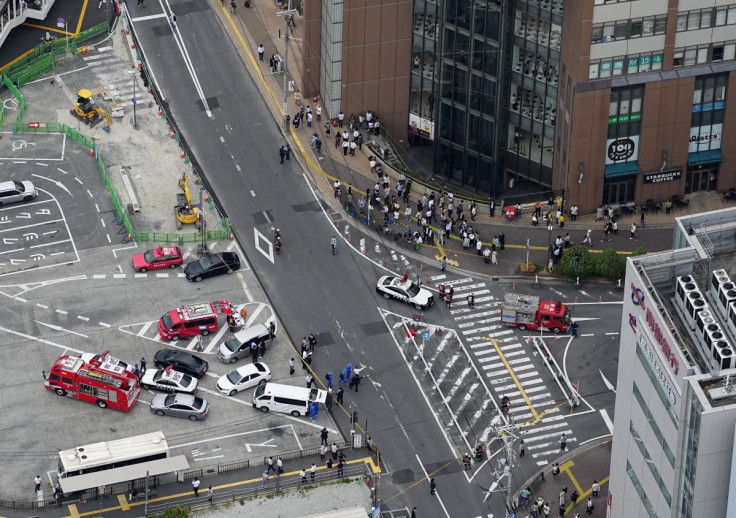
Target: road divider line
(495,342)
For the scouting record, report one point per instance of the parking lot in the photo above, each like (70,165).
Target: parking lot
(67,286)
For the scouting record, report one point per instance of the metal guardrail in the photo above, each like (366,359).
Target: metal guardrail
(308,452)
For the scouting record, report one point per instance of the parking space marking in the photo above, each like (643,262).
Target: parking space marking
(40,340)
(61,311)
(103,324)
(42,164)
(59,328)
(80,317)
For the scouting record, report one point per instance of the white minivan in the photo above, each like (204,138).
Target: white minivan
(287,398)
(238,345)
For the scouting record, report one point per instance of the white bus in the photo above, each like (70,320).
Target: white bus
(111,462)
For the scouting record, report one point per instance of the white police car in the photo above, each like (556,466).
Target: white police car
(405,291)
(168,380)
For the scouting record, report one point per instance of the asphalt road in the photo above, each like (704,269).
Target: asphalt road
(313,291)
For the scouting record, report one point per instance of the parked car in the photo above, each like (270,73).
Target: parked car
(405,291)
(211,265)
(244,377)
(14,191)
(180,405)
(181,361)
(161,257)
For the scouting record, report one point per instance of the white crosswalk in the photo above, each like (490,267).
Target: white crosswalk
(113,73)
(475,326)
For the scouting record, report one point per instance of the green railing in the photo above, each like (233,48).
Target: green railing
(43,57)
(58,127)
(2,114)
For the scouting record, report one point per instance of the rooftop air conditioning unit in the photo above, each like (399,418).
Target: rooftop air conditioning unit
(713,333)
(694,304)
(731,317)
(718,279)
(724,354)
(726,296)
(685,285)
(704,318)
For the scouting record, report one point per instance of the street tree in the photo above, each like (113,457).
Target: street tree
(577,262)
(609,265)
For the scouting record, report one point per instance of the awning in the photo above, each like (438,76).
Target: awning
(622,169)
(124,474)
(714,156)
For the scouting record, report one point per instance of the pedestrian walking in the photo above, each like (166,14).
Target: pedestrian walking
(414,513)
(563,442)
(322,451)
(588,239)
(312,471)
(340,119)
(471,301)
(140,3)
(277,479)
(574,496)
(546,509)
(282,154)
(310,379)
(340,394)
(340,466)
(37,483)
(323,435)
(58,495)
(574,328)
(562,511)
(555,471)
(195,486)
(589,506)
(270,464)
(260,52)
(303,476)
(562,497)
(522,448)
(291,366)
(279,465)
(287,150)
(632,231)
(265,479)
(209,493)
(172,19)
(432,487)
(333,450)
(328,399)
(595,488)
(444,261)
(312,340)
(354,382)
(329,467)
(143,365)
(233,6)
(494,257)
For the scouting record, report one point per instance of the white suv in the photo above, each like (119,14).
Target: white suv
(14,191)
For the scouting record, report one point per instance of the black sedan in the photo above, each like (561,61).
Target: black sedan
(211,265)
(181,361)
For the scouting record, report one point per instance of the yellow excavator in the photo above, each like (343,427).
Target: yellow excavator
(86,110)
(185,213)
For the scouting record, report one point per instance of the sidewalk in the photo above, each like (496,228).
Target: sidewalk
(243,485)
(578,470)
(261,25)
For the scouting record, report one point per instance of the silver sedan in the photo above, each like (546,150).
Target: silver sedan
(180,405)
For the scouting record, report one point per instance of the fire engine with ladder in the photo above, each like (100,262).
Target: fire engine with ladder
(102,381)
(527,312)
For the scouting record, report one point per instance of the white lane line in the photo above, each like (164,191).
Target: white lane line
(104,324)
(59,328)
(80,317)
(437,493)
(41,340)
(607,420)
(42,306)
(145,328)
(20,299)
(62,312)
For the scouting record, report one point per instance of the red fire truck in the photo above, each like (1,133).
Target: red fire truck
(526,312)
(102,381)
(193,320)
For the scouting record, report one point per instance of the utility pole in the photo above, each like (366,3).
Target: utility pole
(505,464)
(287,14)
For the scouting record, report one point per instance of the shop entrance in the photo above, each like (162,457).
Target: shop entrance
(701,178)
(619,190)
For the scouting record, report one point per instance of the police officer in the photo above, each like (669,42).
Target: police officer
(442,292)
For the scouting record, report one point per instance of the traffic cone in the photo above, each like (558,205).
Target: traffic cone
(129,237)
(91,152)
(365,251)
(421,267)
(600,299)
(328,212)
(160,111)
(231,236)
(382,260)
(513,286)
(350,238)
(182,155)
(576,300)
(555,336)
(132,45)
(337,225)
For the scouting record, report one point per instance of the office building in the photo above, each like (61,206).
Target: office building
(644,100)
(675,417)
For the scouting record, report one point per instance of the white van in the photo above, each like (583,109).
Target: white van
(287,398)
(238,345)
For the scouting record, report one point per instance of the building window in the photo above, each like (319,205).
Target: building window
(650,462)
(640,491)
(627,29)
(708,113)
(689,453)
(656,385)
(655,428)
(705,18)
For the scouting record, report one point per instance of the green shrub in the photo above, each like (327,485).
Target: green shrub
(609,264)
(577,262)
(638,251)
(173,512)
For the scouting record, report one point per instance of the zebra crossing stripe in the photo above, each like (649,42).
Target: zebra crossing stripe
(458,281)
(476,322)
(477,315)
(555,451)
(547,436)
(530,390)
(527,374)
(510,346)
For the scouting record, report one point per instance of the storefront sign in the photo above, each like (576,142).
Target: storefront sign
(421,126)
(663,176)
(705,138)
(624,149)
(620,119)
(656,367)
(637,296)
